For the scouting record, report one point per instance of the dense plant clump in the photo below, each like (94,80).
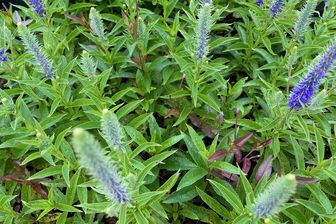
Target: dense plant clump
(168,112)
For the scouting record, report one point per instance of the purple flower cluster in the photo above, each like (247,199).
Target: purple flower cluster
(38,7)
(276,7)
(259,2)
(2,57)
(305,89)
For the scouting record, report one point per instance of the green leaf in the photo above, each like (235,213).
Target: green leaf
(295,215)
(267,56)
(140,120)
(194,93)
(197,140)
(47,172)
(183,195)
(242,219)
(117,96)
(66,208)
(299,156)
(96,207)
(26,113)
(213,204)
(148,197)
(221,41)
(65,172)
(226,167)
(142,148)
(71,190)
(268,44)
(168,8)
(183,115)
(229,195)
(128,108)
(319,145)
(140,218)
(169,183)
(195,153)
(169,142)
(62,218)
(151,163)
(38,204)
(247,188)
(315,189)
(191,177)
(312,206)
(31,157)
(122,218)
(209,101)
(44,212)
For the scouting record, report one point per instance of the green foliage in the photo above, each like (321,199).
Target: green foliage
(190,141)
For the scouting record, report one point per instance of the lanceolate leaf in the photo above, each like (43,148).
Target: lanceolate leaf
(228,194)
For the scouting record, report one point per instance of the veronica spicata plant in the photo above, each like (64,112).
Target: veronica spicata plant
(186,139)
(276,7)
(96,23)
(304,91)
(92,157)
(268,203)
(35,49)
(38,7)
(204,23)
(304,17)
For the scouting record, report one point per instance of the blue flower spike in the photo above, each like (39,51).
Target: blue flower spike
(92,157)
(280,191)
(304,91)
